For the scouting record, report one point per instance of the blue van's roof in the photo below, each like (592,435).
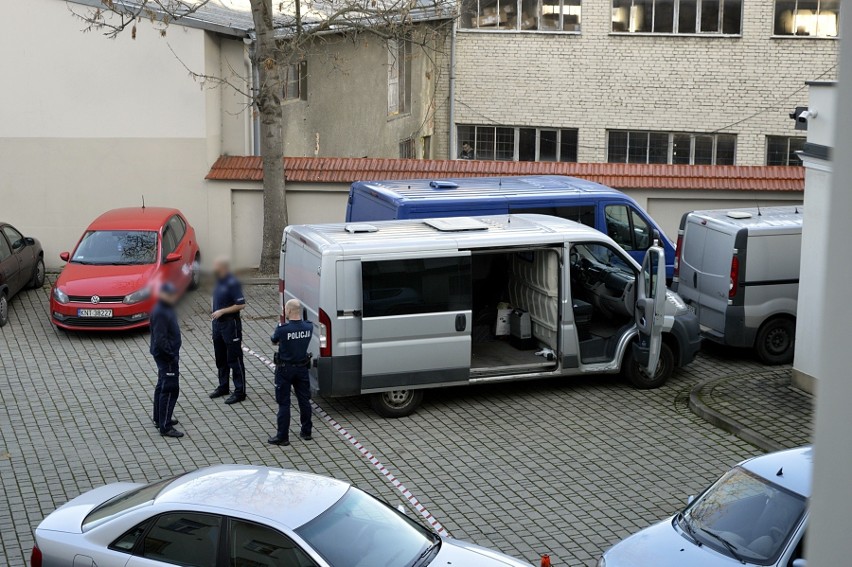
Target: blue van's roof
(412,190)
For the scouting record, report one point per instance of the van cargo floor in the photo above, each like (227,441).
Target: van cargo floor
(500,357)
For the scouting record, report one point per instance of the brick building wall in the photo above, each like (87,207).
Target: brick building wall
(596,80)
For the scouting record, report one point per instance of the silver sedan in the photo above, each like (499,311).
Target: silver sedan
(244,516)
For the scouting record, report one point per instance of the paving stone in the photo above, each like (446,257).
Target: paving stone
(561,466)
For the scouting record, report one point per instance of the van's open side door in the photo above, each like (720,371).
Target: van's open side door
(650,309)
(416,320)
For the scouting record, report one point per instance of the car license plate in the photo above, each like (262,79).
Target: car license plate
(94,312)
(692,308)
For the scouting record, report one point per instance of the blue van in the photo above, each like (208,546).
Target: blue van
(598,206)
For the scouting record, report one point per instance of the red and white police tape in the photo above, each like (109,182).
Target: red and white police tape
(436,525)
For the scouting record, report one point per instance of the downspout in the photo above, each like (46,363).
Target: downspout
(452,113)
(254,82)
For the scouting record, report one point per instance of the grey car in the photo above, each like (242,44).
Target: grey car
(21,266)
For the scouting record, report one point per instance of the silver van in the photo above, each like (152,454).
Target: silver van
(738,271)
(402,306)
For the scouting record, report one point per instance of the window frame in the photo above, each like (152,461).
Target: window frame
(476,12)
(399,73)
(787,141)
(301,83)
(670,146)
(4,245)
(676,21)
(794,35)
(21,241)
(516,142)
(229,526)
(138,546)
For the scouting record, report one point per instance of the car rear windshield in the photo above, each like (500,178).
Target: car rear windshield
(117,248)
(125,502)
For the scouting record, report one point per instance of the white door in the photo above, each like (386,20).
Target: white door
(416,321)
(650,309)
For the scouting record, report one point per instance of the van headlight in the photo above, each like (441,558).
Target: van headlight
(60,295)
(138,296)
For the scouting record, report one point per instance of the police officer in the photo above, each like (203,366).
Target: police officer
(228,301)
(165,348)
(292,338)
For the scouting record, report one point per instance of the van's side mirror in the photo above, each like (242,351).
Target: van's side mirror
(173,257)
(800,563)
(689,499)
(64,256)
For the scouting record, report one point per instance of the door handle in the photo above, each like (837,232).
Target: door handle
(695,279)
(461,322)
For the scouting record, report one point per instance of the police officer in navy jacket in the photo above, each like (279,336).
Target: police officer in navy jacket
(293,339)
(228,301)
(165,348)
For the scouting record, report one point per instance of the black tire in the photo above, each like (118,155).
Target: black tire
(776,341)
(396,403)
(195,279)
(4,309)
(37,281)
(639,378)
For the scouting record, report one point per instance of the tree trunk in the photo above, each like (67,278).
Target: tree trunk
(271,136)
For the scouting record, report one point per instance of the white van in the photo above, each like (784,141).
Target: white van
(402,306)
(738,270)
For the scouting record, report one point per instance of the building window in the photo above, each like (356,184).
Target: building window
(406,149)
(517,144)
(781,150)
(807,18)
(671,147)
(295,81)
(521,15)
(399,76)
(427,147)
(723,17)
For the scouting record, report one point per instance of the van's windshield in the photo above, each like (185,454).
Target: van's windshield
(603,257)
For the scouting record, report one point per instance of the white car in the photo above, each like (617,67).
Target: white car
(244,516)
(756,514)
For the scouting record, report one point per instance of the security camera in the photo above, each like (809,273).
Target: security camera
(806,115)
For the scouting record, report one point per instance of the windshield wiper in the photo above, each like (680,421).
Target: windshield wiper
(731,547)
(436,544)
(688,528)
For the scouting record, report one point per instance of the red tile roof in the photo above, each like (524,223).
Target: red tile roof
(618,175)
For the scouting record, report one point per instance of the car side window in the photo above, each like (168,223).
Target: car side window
(184,538)
(16,239)
(178,228)
(128,541)
(641,231)
(169,241)
(583,214)
(260,546)
(618,226)
(5,251)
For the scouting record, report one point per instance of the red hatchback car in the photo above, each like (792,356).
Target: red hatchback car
(109,278)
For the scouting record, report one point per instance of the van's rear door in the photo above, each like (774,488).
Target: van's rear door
(416,320)
(705,275)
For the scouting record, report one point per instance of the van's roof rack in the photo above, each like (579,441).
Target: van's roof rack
(456,224)
(357,228)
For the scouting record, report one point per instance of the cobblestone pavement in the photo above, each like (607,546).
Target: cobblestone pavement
(765,401)
(560,466)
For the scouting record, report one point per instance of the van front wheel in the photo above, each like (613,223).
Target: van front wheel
(640,379)
(776,341)
(396,403)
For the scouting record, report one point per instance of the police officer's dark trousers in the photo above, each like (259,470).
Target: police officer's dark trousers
(287,376)
(166,392)
(228,348)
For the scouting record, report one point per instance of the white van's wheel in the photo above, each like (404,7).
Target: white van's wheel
(640,379)
(396,403)
(776,341)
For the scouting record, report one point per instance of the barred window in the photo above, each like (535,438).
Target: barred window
(670,147)
(517,143)
(807,18)
(722,17)
(521,15)
(781,150)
